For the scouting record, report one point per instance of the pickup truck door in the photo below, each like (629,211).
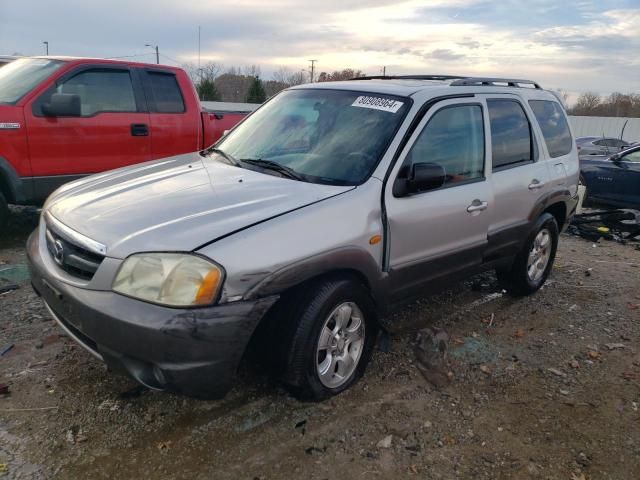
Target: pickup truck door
(176,123)
(111,132)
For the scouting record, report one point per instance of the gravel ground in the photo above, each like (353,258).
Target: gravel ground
(542,387)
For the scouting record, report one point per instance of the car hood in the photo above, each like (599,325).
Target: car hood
(176,204)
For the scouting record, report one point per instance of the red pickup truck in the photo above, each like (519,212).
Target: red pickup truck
(62,118)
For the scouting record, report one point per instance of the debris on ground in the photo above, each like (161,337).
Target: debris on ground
(6,349)
(431,350)
(620,225)
(557,372)
(4,389)
(385,442)
(8,288)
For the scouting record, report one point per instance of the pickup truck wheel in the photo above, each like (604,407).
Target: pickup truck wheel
(332,332)
(4,211)
(533,264)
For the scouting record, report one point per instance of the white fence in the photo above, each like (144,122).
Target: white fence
(607,127)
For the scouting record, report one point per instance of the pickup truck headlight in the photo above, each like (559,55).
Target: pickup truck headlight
(172,279)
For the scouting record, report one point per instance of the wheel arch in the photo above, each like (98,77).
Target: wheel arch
(354,262)
(11,185)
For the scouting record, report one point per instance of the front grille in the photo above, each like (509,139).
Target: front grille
(72,258)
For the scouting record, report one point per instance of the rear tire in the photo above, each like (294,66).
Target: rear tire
(533,264)
(330,333)
(4,211)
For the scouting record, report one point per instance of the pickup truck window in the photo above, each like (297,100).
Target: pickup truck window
(326,136)
(101,90)
(19,77)
(166,93)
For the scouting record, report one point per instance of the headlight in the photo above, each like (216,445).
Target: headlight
(173,279)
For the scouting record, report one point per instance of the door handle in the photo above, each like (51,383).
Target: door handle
(535,184)
(139,130)
(477,206)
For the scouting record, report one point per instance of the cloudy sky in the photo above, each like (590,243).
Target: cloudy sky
(576,45)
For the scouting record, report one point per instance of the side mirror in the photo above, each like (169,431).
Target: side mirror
(62,105)
(422,178)
(615,157)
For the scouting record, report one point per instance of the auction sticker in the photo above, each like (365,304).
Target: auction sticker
(378,103)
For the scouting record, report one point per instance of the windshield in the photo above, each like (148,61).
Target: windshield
(325,136)
(20,76)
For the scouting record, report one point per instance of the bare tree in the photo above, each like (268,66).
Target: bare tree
(208,71)
(285,76)
(615,105)
(587,104)
(346,74)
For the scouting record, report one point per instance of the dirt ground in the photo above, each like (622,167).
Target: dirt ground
(542,387)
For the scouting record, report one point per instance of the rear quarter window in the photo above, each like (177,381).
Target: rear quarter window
(553,124)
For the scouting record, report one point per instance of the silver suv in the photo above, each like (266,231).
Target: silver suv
(301,227)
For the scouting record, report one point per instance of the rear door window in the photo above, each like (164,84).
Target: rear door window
(511,140)
(554,126)
(166,93)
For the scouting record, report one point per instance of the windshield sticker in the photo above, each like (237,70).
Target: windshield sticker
(378,103)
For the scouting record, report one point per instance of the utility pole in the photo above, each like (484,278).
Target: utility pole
(313,63)
(199,69)
(384,71)
(46,46)
(157,52)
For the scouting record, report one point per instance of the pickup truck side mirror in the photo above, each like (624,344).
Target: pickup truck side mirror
(615,157)
(62,105)
(422,178)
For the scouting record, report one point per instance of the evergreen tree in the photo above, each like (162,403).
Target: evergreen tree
(207,90)
(256,91)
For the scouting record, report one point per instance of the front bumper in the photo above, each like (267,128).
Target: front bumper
(192,351)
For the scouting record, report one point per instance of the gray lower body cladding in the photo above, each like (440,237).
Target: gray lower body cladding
(192,351)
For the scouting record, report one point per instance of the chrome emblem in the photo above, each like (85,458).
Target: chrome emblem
(58,252)
(9,126)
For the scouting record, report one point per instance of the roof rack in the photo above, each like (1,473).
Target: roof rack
(411,77)
(491,82)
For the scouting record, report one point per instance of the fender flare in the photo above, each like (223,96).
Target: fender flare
(345,259)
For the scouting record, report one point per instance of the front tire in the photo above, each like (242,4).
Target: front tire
(533,264)
(331,334)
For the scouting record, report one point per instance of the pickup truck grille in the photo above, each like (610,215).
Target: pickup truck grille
(72,258)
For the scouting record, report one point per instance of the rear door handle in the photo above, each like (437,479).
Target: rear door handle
(477,206)
(535,184)
(139,130)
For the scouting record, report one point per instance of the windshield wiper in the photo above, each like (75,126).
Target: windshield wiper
(223,154)
(275,166)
